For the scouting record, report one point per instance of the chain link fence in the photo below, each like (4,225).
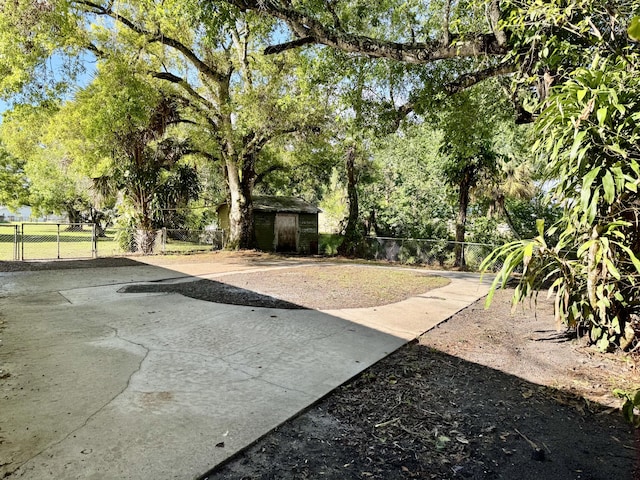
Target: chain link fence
(45,241)
(9,242)
(441,253)
(115,242)
(176,241)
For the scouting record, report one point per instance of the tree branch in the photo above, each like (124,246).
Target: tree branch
(461,83)
(493,17)
(95,50)
(170,77)
(272,168)
(299,42)
(196,151)
(258,141)
(202,67)
(468,80)
(306,26)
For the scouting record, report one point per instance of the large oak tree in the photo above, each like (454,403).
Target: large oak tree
(210,56)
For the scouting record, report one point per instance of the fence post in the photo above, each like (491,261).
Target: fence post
(22,242)
(58,241)
(15,242)
(94,241)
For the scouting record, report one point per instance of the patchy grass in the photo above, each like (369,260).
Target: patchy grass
(328,286)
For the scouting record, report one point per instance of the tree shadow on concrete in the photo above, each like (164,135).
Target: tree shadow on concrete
(212,291)
(106,262)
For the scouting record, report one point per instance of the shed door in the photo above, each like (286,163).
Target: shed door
(286,232)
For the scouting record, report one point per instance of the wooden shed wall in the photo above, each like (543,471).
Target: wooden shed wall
(264,223)
(308,236)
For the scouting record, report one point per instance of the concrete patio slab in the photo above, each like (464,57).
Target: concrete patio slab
(137,386)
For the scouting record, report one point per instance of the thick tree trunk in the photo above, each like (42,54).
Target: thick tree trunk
(97,217)
(144,237)
(461,221)
(241,232)
(75,218)
(352,234)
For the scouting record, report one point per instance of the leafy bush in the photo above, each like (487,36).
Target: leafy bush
(328,243)
(590,133)
(630,405)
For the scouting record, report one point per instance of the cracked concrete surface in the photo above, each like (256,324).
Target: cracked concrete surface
(106,385)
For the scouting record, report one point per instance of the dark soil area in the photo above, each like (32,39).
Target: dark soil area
(454,404)
(424,414)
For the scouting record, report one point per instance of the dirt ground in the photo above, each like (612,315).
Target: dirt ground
(486,395)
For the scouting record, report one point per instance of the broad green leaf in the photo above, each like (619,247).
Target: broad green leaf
(527,253)
(621,108)
(593,208)
(609,187)
(615,323)
(581,94)
(601,114)
(586,194)
(540,227)
(634,29)
(617,149)
(612,269)
(603,344)
(618,176)
(632,257)
(584,247)
(577,143)
(590,177)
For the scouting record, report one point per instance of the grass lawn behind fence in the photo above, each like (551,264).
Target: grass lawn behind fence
(48,241)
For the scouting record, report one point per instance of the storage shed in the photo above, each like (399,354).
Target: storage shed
(281,224)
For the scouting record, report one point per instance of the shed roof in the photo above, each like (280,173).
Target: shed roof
(272,203)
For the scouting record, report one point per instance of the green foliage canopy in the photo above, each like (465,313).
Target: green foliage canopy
(14,187)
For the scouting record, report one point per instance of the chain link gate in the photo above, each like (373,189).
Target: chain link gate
(9,242)
(46,241)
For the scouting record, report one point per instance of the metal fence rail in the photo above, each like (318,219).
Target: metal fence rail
(114,241)
(47,241)
(124,242)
